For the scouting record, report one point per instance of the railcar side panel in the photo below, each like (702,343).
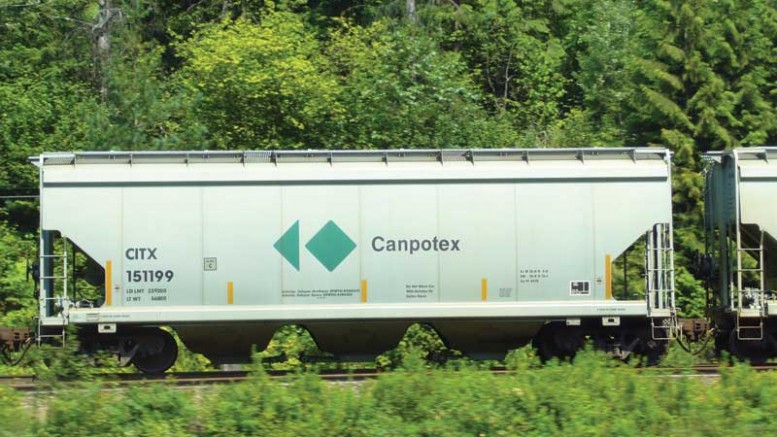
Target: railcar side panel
(521,241)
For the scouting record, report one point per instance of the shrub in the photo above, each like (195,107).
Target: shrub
(594,396)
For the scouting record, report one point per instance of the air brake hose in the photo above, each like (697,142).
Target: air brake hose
(6,356)
(687,346)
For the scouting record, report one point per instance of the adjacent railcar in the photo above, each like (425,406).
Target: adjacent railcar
(741,228)
(492,248)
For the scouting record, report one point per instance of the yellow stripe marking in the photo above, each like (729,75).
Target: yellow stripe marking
(484,289)
(607,277)
(108,283)
(364,290)
(230,293)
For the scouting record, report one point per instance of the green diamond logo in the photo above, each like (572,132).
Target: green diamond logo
(288,245)
(330,246)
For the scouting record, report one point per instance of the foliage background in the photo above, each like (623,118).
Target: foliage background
(690,75)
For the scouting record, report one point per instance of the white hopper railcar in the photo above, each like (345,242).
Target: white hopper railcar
(492,248)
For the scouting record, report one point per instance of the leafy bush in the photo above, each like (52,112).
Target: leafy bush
(136,411)
(14,418)
(595,396)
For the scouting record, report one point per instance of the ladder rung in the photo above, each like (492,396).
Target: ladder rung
(741,326)
(54,256)
(657,334)
(53,277)
(757,328)
(750,270)
(750,249)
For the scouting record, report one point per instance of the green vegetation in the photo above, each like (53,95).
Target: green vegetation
(692,76)
(595,396)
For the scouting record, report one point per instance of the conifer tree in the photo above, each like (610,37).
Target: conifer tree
(704,83)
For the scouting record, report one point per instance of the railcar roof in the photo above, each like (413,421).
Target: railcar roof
(332,156)
(746,153)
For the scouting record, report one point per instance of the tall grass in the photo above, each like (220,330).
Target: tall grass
(595,396)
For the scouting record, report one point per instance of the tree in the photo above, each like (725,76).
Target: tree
(44,73)
(400,90)
(600,42)
(142,110)
(702,74)
(16,290)
(262,85)
(516,56)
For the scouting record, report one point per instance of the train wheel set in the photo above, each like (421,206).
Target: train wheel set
(491,248)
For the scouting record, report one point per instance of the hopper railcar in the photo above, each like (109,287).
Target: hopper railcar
(741,234)
(492,248)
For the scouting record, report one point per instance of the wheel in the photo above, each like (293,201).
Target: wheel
(157,352)
(653,351)
(555,341)
(754,351)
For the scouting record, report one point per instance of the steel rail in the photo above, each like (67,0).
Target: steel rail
(181,379)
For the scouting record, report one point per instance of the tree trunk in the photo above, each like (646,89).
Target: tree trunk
(410,11)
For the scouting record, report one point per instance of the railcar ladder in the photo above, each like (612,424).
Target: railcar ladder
(750,323)
(45,302)
(660,275)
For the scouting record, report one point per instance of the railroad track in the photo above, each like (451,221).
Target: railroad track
(29,383)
